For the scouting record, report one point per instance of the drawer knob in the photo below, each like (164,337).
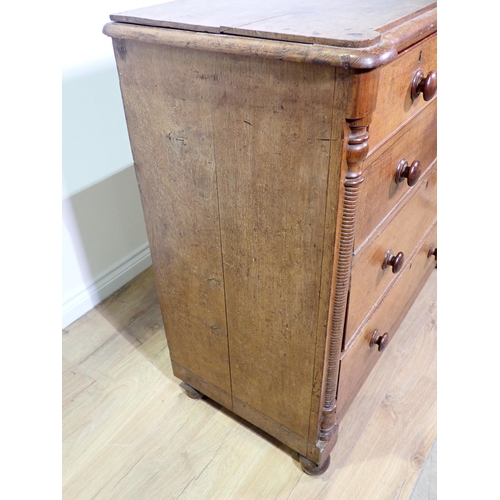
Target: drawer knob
(395,261)
(380,340)
(433,251)
(426,85)
(409,172)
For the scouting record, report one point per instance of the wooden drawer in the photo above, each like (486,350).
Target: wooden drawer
(379,193)
(358,362)
(402,234)
(250,136)
(394,103)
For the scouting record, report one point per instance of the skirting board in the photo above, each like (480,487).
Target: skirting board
(105,285)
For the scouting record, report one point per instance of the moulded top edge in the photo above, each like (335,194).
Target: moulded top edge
(341,23)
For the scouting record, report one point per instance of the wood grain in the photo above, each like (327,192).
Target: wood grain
(331,243)
(175,165)
(346,57)
(360,103)
(248,141)
(394,103)
(134,434)
(113,310)
(352,23)
(263,269)
(273,133)
(379,193)
(401,234)
(391,424)
(358,362)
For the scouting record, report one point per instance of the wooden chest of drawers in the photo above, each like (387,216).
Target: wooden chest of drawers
(286,159)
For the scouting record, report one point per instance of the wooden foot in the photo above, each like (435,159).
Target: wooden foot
(191,391)
(311,468)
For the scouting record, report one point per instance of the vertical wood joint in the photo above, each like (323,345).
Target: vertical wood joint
(361,104)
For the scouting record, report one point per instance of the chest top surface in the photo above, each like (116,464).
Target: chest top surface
(342,23)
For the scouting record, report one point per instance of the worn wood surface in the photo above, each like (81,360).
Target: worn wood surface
(129,430)
(250,170)
(348,53)
(273,139)
(394,103)
(360,103)
(401,234)
(331,244)
(236,203)
(379,193)
(344,23)
(346,57)
(174,159)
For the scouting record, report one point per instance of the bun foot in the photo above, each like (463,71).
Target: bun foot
(191,391)
(311,468)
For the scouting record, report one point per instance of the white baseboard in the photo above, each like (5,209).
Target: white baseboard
(105,285)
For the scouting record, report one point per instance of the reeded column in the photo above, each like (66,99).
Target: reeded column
(357,149)
(363,87)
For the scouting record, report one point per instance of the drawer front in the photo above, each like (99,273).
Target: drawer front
(358,362)
(369,279)
(394,103)
(379,193)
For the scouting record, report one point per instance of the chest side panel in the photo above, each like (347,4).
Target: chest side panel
(273,144)
(169,100)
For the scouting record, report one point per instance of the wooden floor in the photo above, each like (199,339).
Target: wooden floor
(131,433)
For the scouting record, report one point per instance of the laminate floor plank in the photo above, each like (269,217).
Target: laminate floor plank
(126,384)
(399,436)
(160,449)
(131,433)
(74,382)
(391,424)
(101,412)
(245,466)
(113,315)
(426,487)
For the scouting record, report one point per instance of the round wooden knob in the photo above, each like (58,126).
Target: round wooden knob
(395,261)
(433,251)
(380,340)
(426,85)
(409,172)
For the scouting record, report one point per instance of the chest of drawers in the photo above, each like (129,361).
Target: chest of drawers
(286,158)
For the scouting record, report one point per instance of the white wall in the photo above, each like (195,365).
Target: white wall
(103,232)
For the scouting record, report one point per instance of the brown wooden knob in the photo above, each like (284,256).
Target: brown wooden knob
(426,85)
(433,251)
(395,261)
(409,172)
(380,340)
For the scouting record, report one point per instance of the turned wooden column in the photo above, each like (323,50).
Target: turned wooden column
(360,106)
